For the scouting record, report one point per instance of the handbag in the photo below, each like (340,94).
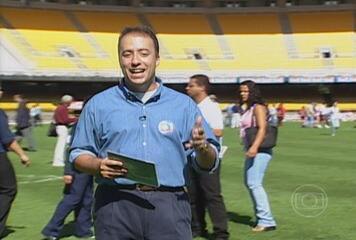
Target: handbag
(52,130)
(270,139)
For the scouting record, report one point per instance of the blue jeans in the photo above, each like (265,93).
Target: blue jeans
(255,169)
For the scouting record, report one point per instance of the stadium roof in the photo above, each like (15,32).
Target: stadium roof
(184,5)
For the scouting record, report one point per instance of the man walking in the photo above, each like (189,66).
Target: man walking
(23,123)
(8,183)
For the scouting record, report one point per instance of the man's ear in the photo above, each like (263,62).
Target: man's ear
(158,60)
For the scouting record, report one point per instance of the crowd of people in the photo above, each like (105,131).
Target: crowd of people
(321,116)
(78,186)
(181,134)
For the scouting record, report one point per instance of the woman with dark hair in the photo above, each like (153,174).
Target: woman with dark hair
(254,113)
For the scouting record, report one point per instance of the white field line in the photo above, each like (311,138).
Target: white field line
(41,179)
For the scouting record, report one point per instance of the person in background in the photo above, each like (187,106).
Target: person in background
(272,111)
(310,112)
(231,118)
(36,115)
(235,119)
(213,98)
(317,114)
(8,186)
(324,115)
(257,160)
(205,189)
(23,123)
(302,116)
(281,113)
(334,118)
(63,121)
(142,119)
(78,197)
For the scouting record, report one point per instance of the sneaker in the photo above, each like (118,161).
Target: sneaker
(58,164)
(45,237)
(263,228)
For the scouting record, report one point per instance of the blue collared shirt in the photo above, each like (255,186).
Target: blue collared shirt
(115,120)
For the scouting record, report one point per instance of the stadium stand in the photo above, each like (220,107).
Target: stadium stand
(292,47)
(187,45)
(315,32)
(101,31)
(51,40)
(193,24)
(256,44)
(62,40)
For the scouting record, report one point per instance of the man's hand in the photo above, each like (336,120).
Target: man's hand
(25,160)
(199,142)
(68,179)
(112,168)
(205,154)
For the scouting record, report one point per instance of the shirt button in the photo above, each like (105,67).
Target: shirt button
(144,143)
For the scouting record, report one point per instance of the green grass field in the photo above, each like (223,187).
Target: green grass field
(310,168)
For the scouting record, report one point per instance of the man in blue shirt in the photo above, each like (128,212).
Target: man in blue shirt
(143,119)
(8,186)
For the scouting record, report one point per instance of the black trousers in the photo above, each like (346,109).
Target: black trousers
(205,193)
(8,189)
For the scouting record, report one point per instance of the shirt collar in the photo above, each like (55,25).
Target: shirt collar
(204,101)
(131,97)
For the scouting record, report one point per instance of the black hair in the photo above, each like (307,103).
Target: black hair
(202,80)
(254,96)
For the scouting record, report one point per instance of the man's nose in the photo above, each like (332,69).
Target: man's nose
(135,59)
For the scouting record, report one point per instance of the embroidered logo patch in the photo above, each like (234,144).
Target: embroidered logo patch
(165,127)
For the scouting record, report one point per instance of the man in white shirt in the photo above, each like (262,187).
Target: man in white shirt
(205,189)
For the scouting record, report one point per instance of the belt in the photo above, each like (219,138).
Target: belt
(146,188)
